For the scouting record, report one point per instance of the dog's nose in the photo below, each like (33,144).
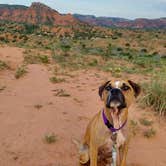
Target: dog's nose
(115,91)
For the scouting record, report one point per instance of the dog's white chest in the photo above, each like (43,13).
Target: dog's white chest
(120,140)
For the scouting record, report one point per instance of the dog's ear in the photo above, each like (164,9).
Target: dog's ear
(136,88)
(101,88)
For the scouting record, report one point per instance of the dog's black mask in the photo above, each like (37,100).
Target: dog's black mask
(115,95)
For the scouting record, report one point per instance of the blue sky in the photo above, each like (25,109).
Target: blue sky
(113,8)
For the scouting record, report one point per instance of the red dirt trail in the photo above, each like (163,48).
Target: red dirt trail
(23,126)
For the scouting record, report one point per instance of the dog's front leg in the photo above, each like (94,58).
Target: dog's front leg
(123,154)
(93,154)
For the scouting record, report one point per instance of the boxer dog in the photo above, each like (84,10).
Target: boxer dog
(117,97)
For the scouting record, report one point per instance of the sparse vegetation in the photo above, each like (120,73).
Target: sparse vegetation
(50,138)
(133,127)
(44,59)
(3,65)
(30,58)
(65,47)
(38,106)
(149,133)
(21,71)
(61,93)
(57,80)
(2,88)
(155,94)
(76,50)
(145,122)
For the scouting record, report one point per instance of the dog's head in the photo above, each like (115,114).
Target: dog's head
(118,94)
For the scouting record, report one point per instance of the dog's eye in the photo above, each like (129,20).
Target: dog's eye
(108,88)
(125,88)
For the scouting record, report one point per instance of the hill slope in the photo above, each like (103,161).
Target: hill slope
(121,22)
(37,13)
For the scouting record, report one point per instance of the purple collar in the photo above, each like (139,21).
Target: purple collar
(110,126)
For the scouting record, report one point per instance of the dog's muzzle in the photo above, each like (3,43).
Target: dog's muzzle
(115,99)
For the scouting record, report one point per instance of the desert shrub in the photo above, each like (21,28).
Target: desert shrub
(127,45)
(155,94)
(114,37)
(134,127)
(50,138)
(94,62)
(21,71)
(29,58)
(130,70)
(56,80)
(144,50)
(3,65)
(125,54)
(119,49)
(65,46)
(43,59)
(83,45)
(30,28)
(94,51)
(59,58)
(119,34)
(149,133)
(147,61)
(38,106)
(74,61)
(145,122)
(108,51)
(4,39)
(154,53)
(114,69)
(139,36)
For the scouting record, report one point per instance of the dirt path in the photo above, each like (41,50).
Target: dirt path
(24,124)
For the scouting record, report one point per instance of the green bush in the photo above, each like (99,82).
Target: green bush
(149,133)
(50,138)
(3,65)
(65,46)
(127,45)
(20,72)
(155,94)
(144,50)
(57,80)
(44,59)
(34,59)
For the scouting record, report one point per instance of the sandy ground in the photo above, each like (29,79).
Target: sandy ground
(23,126)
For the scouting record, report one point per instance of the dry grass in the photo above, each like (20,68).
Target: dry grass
(50,138)
(61,93)
(133,127)
(145,122)
(57,80)
(3,65)
(2,88)
(20,72)
(149,133)
(31,57)
(155,94)
(38,106)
